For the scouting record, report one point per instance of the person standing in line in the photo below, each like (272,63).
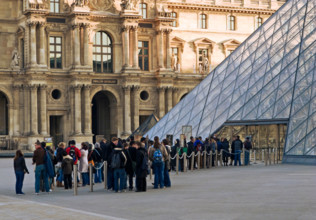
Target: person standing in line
(232,153)
(59,157)
(237,145)
(132,152)
(191,150)
(141,166)
(74,152)
(20,169)
(97,159)
(225,150)
(248,147)
(118,163)
(167,181)
(67,167)
(158,155)
(84,165)
(129,167)
(40,170)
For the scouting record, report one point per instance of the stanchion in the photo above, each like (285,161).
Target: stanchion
(243,156)
(274,156)
(262,155)
(151,174)
(265,158)
(185,162)
(91,177)
(205,156)
(277,157)
(177,164)
(199,159)
(192,161)
(269,155)
(105,173)
(221,158)
(216,161)
(255,161)
(75,169)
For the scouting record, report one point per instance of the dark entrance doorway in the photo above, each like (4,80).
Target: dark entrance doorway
(56,129)
(104,123)
(3,114)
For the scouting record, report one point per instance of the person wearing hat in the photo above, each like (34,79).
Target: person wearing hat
(40,170)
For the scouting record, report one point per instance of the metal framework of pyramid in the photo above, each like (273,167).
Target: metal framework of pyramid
(270,76)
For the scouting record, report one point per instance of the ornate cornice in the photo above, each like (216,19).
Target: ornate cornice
(219,8)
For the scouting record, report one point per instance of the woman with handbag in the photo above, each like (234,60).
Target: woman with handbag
(20,169)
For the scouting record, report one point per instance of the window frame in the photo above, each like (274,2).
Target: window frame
(101,53)
(56,6)
(143,10)
(258,22)
(55,52)
(143,56)
(175,16)
(231,22)
(203,21)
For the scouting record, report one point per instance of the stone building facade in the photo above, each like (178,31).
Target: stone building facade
(76,69)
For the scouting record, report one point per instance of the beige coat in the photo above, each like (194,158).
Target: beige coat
(163,151)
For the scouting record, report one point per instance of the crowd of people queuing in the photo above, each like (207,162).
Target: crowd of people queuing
(127,160)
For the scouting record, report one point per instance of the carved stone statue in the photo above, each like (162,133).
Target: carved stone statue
(81,3)
(129,5)
(15,59)
(174,62)
(205,64)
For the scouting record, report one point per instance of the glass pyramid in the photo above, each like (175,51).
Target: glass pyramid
(271,75)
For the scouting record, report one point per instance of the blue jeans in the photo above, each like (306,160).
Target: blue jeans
(167,181)
(41,171)
(85,179)
(19,181)
(110,179)
(246,158)
(98,175)
(237,157)
(119,174)
(60,176)
(159,174)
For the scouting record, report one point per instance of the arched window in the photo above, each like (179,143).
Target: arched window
(259,22)
(102,53)
(143,10)
(231,23)
(203,21)
(174,15)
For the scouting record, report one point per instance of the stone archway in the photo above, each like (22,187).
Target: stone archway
(4,118)
(104,115)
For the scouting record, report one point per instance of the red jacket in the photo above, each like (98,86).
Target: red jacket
(77,152)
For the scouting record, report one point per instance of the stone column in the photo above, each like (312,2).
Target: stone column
(175,96)
(160,48)
(16,116)
(168,57)
(135,57)
(42,57)
(169,99)
(76,45)
(127,110)
(26,112)
(34,110)
(125,32)
(86,45)
(32,52)
(87,106)
(136,106)
(10,119)
(161,99)
(77,111)
(43,110)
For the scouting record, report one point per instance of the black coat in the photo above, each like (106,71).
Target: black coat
(141,155)
(191,148)
(225,148)
(129,165)
(59,154)
(97,155)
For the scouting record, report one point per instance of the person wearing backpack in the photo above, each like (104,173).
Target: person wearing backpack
(118,162)
(97,159)
(237,145)
(158,155)
(67,166)
(74,152)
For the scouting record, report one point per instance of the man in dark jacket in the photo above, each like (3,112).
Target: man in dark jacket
(67,166)
(141,167)
(237,145)
(107,149)
(248,147)
(225,148)
(39,160)
(118,163)
(130,167)
(190,150)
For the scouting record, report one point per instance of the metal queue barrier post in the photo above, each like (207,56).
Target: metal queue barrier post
(75,169)
(91,177)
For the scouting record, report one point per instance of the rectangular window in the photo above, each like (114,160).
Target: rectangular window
(231,23)
(55,52)
(54,6)
(143,10)
(174,15)
(203,21)
(143,55)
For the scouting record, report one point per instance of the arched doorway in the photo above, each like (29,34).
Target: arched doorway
(3,114)
(104,115)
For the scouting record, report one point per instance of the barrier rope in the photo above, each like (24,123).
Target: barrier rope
(97,168)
